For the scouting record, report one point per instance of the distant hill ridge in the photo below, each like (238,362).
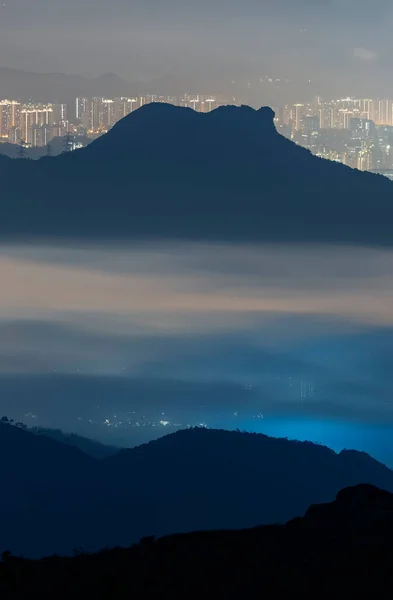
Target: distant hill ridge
(59,87)
(87,445)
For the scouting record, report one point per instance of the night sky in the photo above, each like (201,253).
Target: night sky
(336,41)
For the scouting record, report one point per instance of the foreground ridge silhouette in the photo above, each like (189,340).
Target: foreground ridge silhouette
(343,548)
(54,497)
(169,172)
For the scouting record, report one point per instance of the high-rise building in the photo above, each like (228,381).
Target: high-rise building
(27,120)
(60,113)
(344,117)
(383,112)
(309,131)
(366,107)
(84,113)
(298,112)
(97,114)
(9,116)
(326,116)
(34,114)
(109,117)
(41,135)
(81,108)
(14,135)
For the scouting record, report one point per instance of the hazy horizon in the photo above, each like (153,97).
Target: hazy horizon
(204,42)
(239,328)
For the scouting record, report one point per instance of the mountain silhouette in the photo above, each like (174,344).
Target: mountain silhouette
(343,546)
(60,87)
(169,172)
(56,498)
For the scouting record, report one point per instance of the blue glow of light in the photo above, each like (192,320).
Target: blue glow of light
(375,439)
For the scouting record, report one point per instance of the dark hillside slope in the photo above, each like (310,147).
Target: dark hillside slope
(205,478)
(56,498)
(87,445)
(340,549)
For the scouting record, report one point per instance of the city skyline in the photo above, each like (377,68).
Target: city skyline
(36,124)
(355,131)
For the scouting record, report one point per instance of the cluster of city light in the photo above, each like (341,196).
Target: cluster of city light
(36,124)
(32,124)
(98,115)
(355,131)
